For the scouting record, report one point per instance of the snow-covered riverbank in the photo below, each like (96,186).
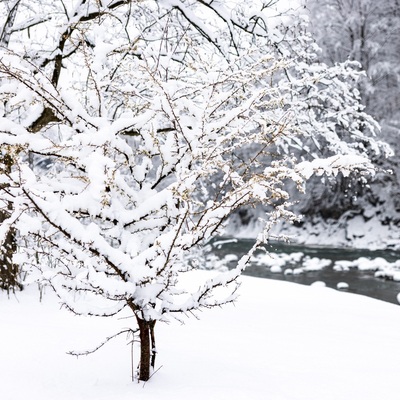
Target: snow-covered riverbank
(280,342)
(356,232)
(371,273)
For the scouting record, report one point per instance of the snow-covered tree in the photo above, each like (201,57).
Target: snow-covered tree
(365,31)
(136,128)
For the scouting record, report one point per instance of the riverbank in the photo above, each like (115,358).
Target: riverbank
(348,232)
(371,273)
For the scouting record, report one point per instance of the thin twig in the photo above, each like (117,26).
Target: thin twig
(87,352)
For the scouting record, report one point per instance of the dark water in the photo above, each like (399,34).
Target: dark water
(360,282)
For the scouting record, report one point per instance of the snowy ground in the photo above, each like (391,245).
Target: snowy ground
(280,342)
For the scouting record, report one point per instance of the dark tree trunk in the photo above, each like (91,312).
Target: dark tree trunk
(147,348)
(9,271)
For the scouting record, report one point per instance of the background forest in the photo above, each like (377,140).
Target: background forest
(348,210)
(368,32)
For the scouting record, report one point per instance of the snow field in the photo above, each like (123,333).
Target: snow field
(280,341)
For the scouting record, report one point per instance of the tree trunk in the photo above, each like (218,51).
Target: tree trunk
(9,271)
(147,348)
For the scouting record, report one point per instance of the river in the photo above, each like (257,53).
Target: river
(354,280)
